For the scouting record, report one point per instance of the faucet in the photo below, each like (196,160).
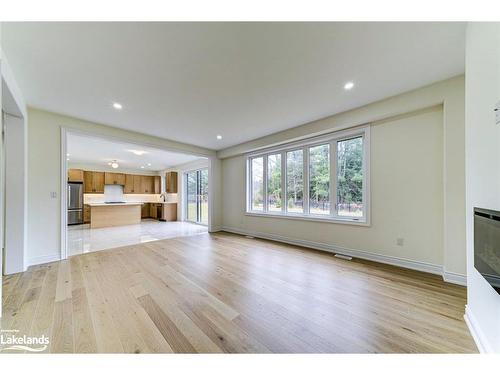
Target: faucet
(163,196)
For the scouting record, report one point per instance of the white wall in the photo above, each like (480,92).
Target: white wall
(483,171)
(15,200)
(15,228)
(418,146)
(44,175)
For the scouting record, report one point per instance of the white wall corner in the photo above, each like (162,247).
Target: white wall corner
(44,259)
(476,333)
(454,278)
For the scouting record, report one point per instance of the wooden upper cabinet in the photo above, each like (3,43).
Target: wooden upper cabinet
(147,185)
(114,178)
(157,185)
(129,184)
(93,182)
(171,182)
(75,175)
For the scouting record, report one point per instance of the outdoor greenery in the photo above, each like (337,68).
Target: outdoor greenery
(349,197)
(274,182)
(295,180)
(319,179)
(350,176)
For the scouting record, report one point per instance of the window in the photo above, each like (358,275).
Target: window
(274,196)
(350,177)
(323,178)
(319,180)
(197,196)
(295,181)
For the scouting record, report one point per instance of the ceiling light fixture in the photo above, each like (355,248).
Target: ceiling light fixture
(138,152)
(142,166)
(117,106)
(219,137)
(114,164)
(348,85)
(149,164)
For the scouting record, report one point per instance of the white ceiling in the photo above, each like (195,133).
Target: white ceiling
(191,81)
(97,151)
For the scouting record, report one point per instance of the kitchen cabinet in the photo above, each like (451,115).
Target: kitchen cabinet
(157,184)
(147,185)
(132,184)
(86,213)
(114,178)
(169,212)
(171,182)
(145,210)
(153,210)
(93,182)
(128,188)
(75,175)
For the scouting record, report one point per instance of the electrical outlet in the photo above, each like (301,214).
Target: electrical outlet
(497,113)
(400,241)
(53,194)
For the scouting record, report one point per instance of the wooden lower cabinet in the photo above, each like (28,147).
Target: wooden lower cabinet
(86,213)
(153,210)
(169,212)
(145,210)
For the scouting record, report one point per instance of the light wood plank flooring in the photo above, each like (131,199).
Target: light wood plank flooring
(223,293)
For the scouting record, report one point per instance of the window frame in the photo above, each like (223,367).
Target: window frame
(305,145)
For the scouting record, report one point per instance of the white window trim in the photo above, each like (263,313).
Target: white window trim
(305,144)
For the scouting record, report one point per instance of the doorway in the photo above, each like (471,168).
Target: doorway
(196,197)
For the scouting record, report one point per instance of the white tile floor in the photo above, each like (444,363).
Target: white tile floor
(82,239)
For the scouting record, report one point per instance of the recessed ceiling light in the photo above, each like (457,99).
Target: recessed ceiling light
(138,152)
(142,166)
(219,137)
(149,164)
(348,85)
(113,164)
(67,154)
(117,106)
(67,159)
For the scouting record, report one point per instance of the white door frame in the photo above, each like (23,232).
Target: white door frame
(65,131)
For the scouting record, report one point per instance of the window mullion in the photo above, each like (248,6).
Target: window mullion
(305,193)
(333,178)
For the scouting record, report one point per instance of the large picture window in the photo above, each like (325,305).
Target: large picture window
(323,178)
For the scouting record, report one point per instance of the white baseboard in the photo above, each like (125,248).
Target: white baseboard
(386,259)
(43,259)
(454,278)
(476,333)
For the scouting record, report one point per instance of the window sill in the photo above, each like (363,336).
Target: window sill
(362,223)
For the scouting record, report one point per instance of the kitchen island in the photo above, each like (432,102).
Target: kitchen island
(114,214)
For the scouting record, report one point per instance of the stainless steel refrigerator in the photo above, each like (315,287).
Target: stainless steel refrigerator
(75,203)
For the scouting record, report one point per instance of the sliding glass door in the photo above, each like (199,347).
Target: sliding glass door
(196,198)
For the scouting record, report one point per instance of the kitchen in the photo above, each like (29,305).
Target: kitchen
(119,195)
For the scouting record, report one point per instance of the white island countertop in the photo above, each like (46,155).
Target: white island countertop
(114,204)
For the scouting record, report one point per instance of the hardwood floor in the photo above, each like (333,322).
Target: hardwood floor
(227,293)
